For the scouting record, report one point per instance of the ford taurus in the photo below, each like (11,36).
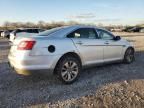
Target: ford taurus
(66,50)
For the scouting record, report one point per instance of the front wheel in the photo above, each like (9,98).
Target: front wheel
(68,69)
(129,56)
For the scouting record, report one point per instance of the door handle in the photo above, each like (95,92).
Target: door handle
(79,42)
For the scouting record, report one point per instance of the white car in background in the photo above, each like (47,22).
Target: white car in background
(24,32)
(1,32)
(6,33)
(142,30)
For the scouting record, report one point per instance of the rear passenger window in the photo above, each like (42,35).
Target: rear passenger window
(83,33)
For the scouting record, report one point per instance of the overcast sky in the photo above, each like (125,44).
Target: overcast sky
(86,11)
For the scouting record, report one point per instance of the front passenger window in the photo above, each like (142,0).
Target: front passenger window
(104,35)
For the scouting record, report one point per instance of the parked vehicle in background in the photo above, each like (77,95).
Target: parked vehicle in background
(24,32)
(142,30)
(6,33)
(116,30)
(66,50)
(127,29)
(1,32)
(135,29)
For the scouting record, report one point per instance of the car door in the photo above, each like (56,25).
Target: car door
(89,47)
(112,48)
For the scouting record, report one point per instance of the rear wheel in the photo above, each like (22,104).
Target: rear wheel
(68,69)
(129,56)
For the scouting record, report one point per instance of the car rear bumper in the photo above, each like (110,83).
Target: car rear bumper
(27,72)
(27,65)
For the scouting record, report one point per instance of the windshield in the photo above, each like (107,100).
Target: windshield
(48,32)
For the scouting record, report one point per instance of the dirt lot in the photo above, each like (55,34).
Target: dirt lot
(110,86)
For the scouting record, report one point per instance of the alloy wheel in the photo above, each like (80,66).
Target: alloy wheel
(69,71)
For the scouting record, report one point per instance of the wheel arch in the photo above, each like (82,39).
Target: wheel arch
(73,54)
(129,47)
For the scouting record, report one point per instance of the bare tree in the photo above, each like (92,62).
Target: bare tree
(6,25)
(30,25)
(41,24)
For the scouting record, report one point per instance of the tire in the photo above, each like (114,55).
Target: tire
(68,69)
(129,56)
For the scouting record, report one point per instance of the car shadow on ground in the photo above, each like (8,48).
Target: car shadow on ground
(42,88)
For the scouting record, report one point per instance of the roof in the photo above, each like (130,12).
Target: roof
(82,26)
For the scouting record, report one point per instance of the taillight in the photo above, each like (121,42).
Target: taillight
(26,45)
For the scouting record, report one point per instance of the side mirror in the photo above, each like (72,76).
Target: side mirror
(117,38)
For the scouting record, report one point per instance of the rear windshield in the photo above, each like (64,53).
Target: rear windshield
(41,30)
(26,30)
(48,32)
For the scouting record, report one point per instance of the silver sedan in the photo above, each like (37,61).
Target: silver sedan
(66,50)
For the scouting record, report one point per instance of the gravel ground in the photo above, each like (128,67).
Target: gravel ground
(96,87)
